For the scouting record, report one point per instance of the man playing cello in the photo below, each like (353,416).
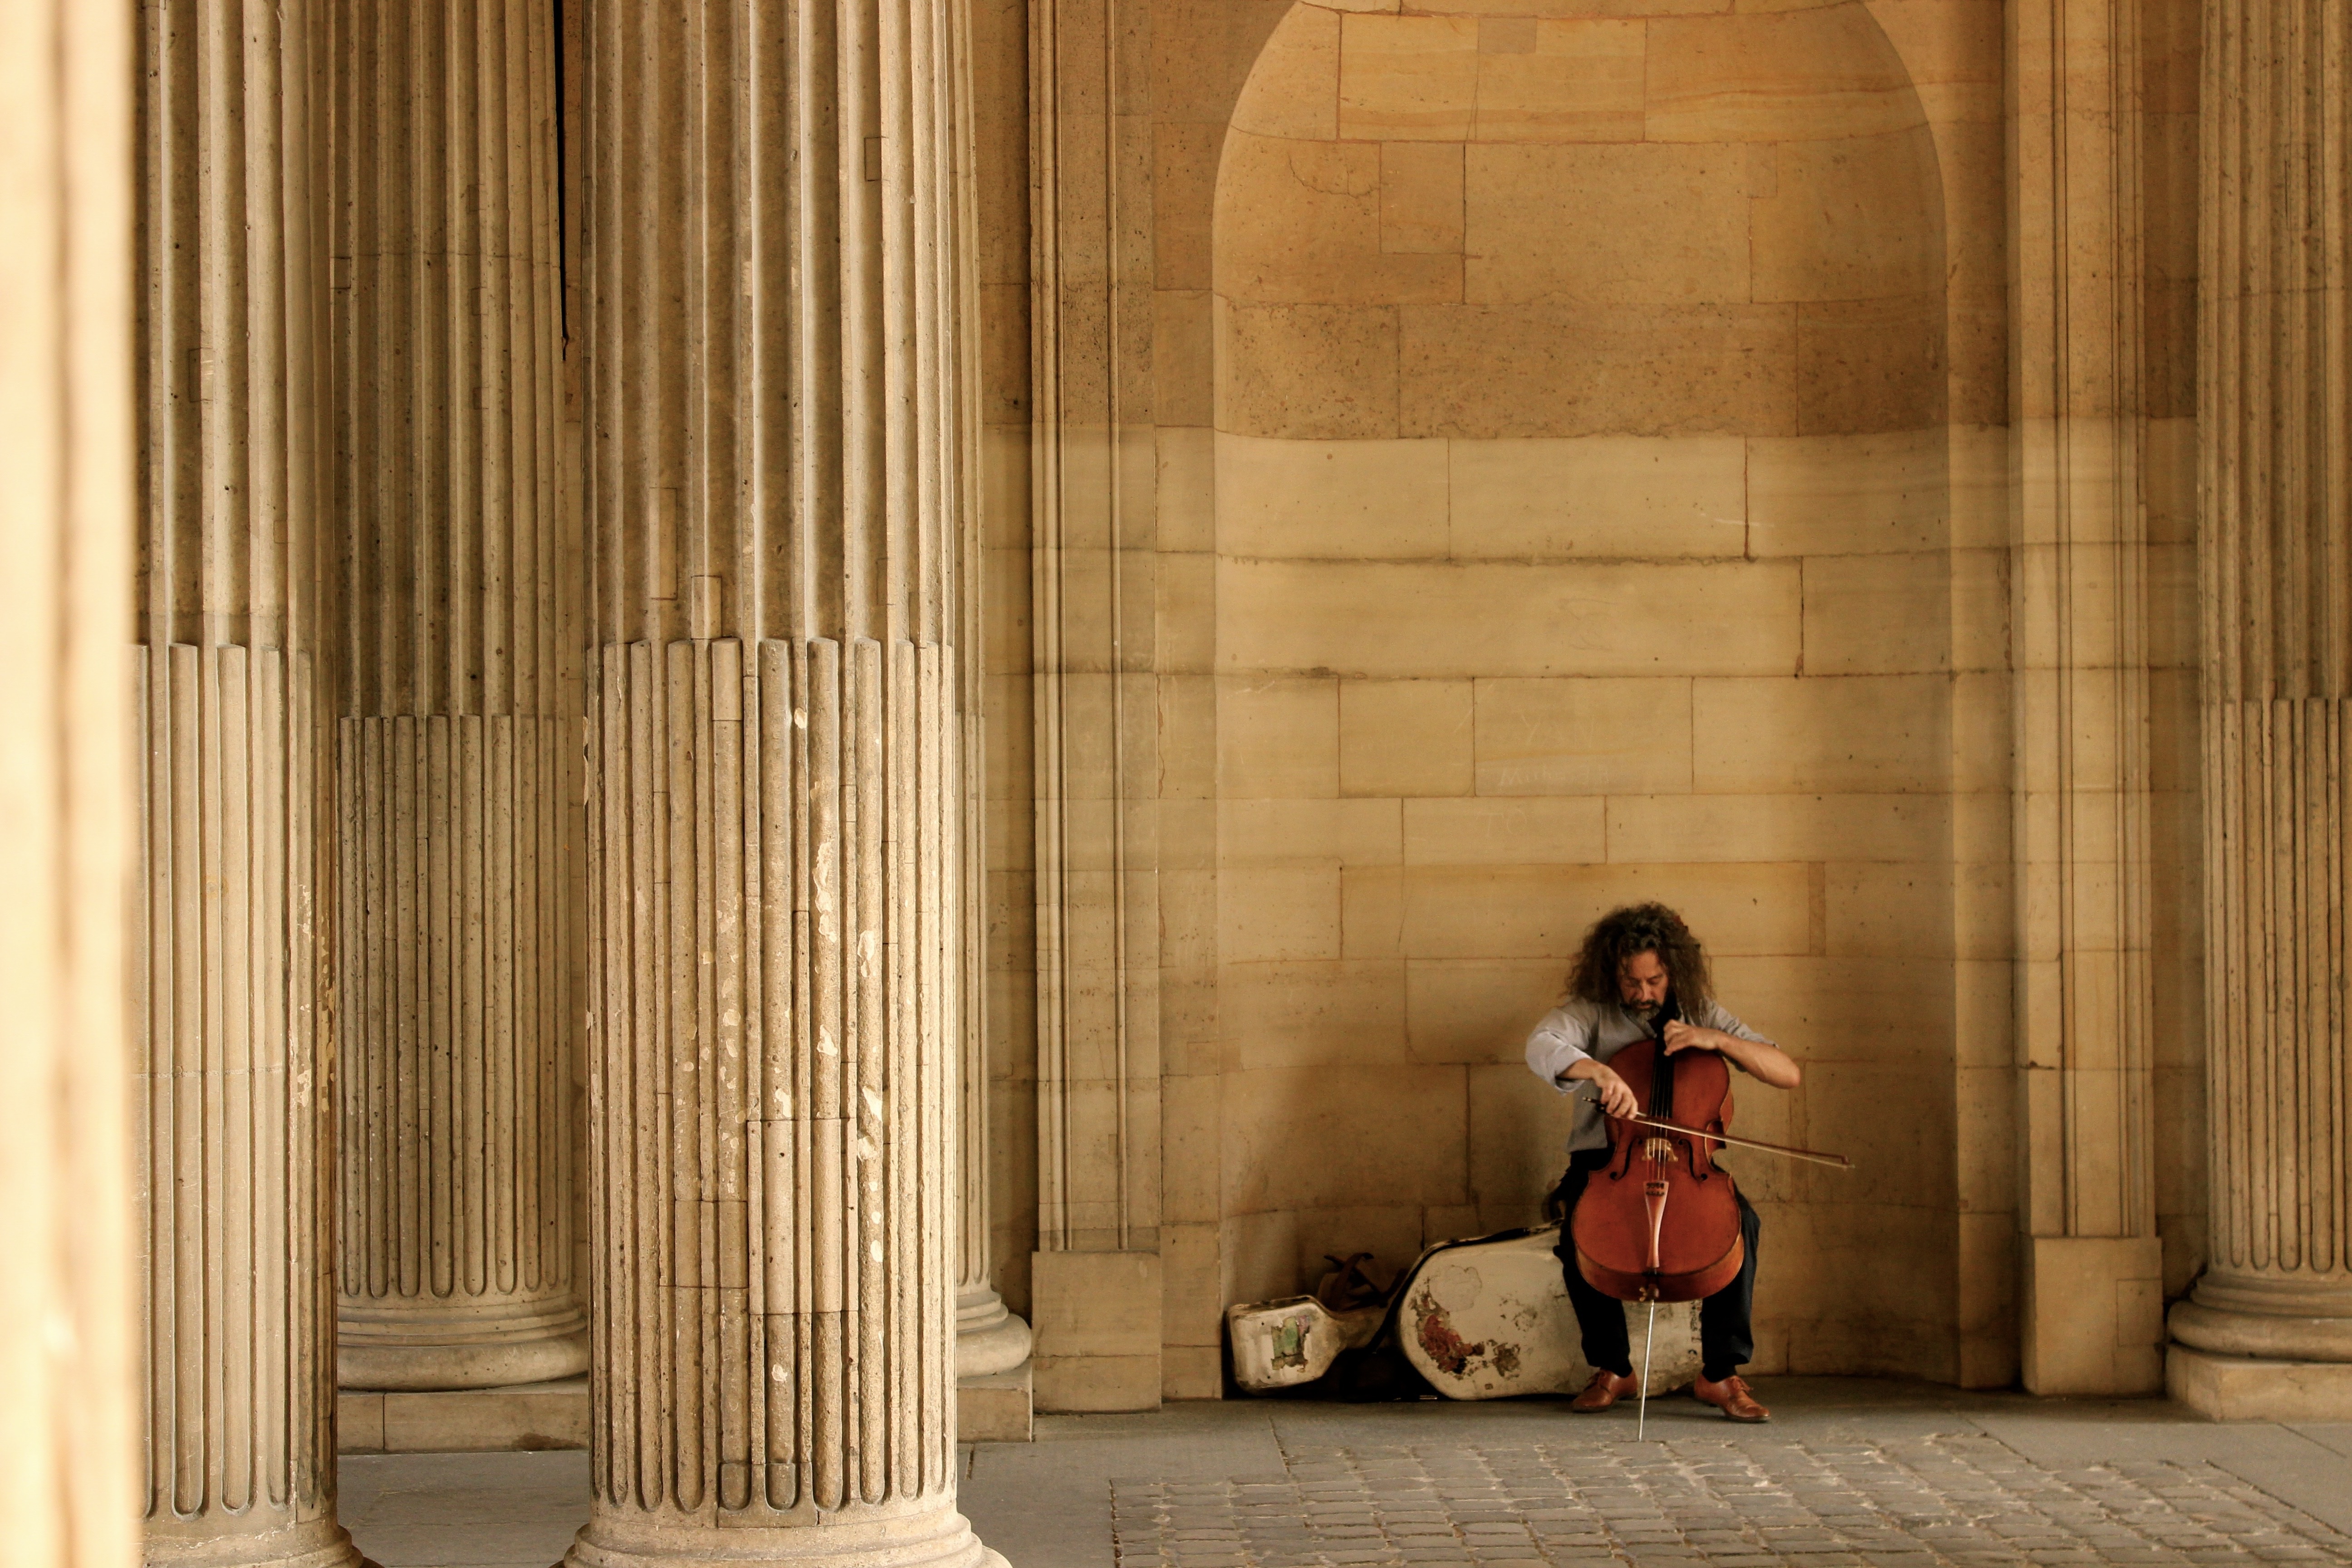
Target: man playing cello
(1637,963)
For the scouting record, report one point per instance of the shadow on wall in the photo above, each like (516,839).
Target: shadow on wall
(1583,535)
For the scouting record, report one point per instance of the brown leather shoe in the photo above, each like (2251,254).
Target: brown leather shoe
(1732,1396)
(1605,1390)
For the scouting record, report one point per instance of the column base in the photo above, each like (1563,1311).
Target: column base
(997,1407)
(2243,1388)
(521,1417)
(2265,1332)
(995,1386)
(616,1538)
(318,1544)
(460,1364)
(988,1338)
(469,1343)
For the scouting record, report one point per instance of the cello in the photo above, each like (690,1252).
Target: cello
(1661,1221)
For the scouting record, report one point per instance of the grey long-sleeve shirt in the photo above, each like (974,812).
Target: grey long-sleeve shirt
(1576,1030)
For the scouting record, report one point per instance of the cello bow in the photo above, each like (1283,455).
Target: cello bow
(1815,1155)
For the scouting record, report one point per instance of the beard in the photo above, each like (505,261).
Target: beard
(1653,1013)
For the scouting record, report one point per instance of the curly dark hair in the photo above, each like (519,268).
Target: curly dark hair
(1636,929)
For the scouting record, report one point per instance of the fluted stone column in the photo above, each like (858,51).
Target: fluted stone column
(993,1387)
(775,349)
(235,1082)
(991,1349)
(67,1424)
(991,1353)
(2268,1330)
(992,1343)
(456,1256)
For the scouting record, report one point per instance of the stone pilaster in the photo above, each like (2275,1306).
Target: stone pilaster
(2268,1330)
(451,750)
(67,1295)
(777,333)
(1095,1279)
(235,1097)
(2092,1263)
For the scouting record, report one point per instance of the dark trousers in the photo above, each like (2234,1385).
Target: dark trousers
(1726,1338)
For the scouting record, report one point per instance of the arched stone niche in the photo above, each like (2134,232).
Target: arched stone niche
(1581,533)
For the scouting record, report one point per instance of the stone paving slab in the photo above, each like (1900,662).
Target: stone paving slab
(463,1510)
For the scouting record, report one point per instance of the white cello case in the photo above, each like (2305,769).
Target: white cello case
(1489,1317)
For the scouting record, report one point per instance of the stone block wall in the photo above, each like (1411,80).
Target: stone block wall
(1619,566)
(1527,461)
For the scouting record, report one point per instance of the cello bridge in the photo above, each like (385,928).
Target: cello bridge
(1660,1148)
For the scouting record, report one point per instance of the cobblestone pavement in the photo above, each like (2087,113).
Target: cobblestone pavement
(1709,1503)
(1850,1471)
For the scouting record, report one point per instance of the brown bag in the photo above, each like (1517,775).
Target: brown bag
(1350,1284)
